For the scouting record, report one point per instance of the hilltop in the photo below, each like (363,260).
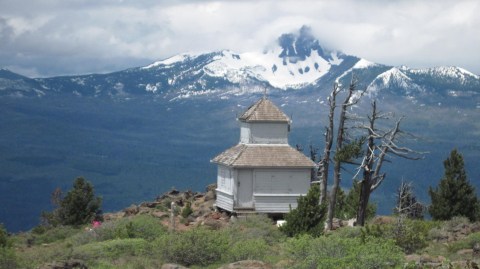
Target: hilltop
(140,236)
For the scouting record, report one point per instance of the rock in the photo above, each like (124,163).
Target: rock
(476,250)
(211,223)
(150,204)
(248,264)
(383,220)
(465,252)
(211,187)
(131,210)
(70,264)
(159,214)
(173,192)
(173,266)
(211,195)
(412,258)
(465,264)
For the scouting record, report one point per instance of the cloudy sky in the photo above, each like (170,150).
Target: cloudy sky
(41,38)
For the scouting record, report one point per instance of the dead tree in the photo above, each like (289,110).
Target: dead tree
(375,156)
(349,101)
(325,161)
(407,204)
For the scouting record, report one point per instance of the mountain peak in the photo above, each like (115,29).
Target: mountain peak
(299,46)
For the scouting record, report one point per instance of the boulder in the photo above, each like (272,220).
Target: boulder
(173,266)
(70,264)
(247,264)
(131,210)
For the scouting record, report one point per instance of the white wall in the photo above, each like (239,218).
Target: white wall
(225,179)
(282,181)
(269,133)
(263,133)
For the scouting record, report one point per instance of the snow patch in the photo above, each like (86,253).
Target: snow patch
(172,60)
(280,72)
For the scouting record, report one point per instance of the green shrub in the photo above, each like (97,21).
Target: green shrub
(337,252)
(410,235)
(3,237)
(142,226)
(198,246)
(55,234)
(187,210)
(8,259)
(308,217)
(254,227)
(112,249)
(250,249)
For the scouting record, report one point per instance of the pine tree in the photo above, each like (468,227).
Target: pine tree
(79,206)
(347,208)
(454,196)
(308,217)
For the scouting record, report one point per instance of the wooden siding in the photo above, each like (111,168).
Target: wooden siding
(282,181)
(224,200)
(225,179)
(269,133)
(274,203)
(245,134)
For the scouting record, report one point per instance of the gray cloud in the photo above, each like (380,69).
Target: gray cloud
(54,37)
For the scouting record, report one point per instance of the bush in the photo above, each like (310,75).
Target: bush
(254,227)
(142,226)
(187,210)
(308,217)
(112,249)
(3,237)
(51,235)
(198,246)
(8,259)
(337,252)
(250,249)
(410,235)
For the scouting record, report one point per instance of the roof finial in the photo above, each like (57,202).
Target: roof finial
(265,92)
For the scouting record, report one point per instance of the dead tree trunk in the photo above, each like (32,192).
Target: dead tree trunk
(375,156)
(367,164)
(337,162)
(325,161)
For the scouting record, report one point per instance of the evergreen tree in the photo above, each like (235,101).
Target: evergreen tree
(454,196)
(308,217)
(3,237)
(348,204)
(79,206)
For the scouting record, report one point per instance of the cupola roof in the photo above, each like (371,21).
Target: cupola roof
(264,111)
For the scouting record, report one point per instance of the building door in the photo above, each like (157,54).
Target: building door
(245,188)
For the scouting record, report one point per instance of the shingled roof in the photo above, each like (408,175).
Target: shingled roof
(264,111)
(243,155)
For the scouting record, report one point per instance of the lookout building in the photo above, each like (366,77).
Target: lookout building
(262,173)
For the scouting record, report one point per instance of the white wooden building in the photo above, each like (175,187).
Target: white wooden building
(263,173)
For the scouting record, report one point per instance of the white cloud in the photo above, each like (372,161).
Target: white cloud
(57,37)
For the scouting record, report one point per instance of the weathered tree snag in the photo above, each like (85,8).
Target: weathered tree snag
(325,161)
(337,162)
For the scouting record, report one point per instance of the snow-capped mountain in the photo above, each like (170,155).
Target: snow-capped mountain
(298,62)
